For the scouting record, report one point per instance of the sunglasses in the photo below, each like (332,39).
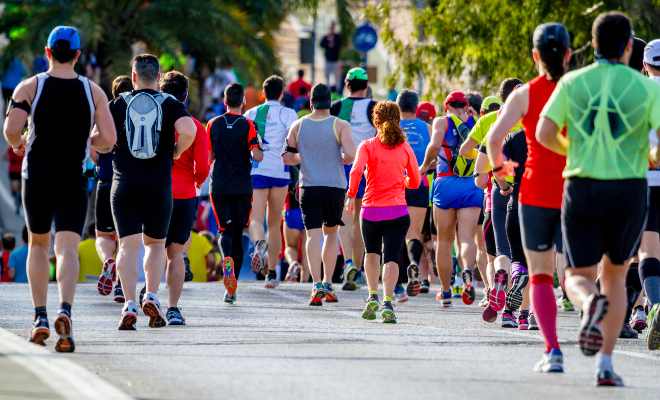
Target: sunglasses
(457,104)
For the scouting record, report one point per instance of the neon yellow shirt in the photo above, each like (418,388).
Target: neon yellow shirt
(608,110)
(482,127)
(90,262)
(199,249)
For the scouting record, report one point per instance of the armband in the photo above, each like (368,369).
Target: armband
(23,105)
(288,149)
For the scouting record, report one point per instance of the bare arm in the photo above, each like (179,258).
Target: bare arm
(186,129)
(482,165)
(346,140)
(514,109)
(257,154)
(94,156)
(467,149)
(104,134)
(437,136)
(547,133)
(17,117)
(655,153)
(481,181)
(290,158)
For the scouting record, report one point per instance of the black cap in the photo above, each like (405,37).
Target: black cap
(321,98)
(551,36)
(637,58)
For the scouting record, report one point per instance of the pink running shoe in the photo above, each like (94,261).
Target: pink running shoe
(105,283)
(498,292)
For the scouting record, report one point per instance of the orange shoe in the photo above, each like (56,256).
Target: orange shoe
(65,342)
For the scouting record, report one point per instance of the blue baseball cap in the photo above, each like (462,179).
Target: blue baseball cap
(64,35)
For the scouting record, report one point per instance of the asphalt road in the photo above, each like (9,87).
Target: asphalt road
(272,345)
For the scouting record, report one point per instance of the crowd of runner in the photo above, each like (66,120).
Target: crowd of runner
(555,179)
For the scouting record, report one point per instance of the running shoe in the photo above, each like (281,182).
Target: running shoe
(533,326)
(627,332)
(425,286)
(151,307)
(119,294)
(271,282)
(350,273)
(551,362)
(259,256)
(484,301)
(456,291)
(228,274)
(607,377)
(105,283)
(489,314)
(566,305)
(523,322)
(361,279)
(189,274)
(653,333)
(514,297)
(65,342)
(497,295)
(400,294)
(174,316)
(40,331)
(388,313)
(330,294)
(128,316)
(317,295)
(647,306)
(590,334)
(292,272)
(371,307)
(638,319)
(229,298)
(142,292)
(469,294)
(413,287)
(444,298)
(509,320)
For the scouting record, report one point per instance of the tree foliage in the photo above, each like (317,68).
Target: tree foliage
(482,43)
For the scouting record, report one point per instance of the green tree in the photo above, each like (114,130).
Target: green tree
(491,40)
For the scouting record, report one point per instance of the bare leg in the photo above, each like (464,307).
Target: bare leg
(259,200)
(467,219)
(314,254)
(127,263)
(330,250)
(106,244)
(613,286)
(155,259)
(372,269)
(176,272)
(276,198)
(346,235)
(390,276)
(38,268)
(68,265)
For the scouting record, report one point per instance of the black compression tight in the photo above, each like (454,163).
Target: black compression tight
(231,245)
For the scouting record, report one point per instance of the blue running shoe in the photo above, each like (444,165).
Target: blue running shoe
(361,279)
(174,316)
(400,294)
(551,362)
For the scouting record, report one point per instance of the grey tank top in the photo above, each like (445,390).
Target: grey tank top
(320,154)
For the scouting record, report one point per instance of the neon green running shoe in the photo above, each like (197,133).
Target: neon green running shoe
(566,305)
(371,307)
(653,333)
(388,313)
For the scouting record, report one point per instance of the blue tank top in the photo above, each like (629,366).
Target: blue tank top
(417,132)
(104,169)
(450,140)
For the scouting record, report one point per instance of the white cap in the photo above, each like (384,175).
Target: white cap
(652,53)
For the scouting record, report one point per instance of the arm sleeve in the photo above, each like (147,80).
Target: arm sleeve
(413,178)
(201,154)
(357,170)
(555,108)
(370,112)
(335,108)
(252,139)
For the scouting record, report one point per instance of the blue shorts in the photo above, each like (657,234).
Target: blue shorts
(265,182)
(293,219)
(363,182)
(455,192)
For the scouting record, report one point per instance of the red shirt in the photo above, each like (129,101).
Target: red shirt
(5,265)
(294,88)
(15,161)
(192,167)
(542,184)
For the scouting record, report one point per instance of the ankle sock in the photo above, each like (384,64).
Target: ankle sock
(66,308)
(603,361)
(348,261)
(542,296)
(373,292)
(272,274)
(40,312)
(388,298)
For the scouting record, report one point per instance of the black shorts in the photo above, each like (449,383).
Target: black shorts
(14,176)
(602,217)
(183,216)
(418,197)
(386,237)
(141,207)
(428,225)
(482,214)
(63,200)
(103,210)
(540,228)
(231,209)
(653,220)
(321,205)
(489,235)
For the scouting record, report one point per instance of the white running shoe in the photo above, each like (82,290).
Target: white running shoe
(128,316)
(151,307)
(271,283)
(259,256)
(551,362)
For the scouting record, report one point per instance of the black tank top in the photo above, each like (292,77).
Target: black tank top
(60,123)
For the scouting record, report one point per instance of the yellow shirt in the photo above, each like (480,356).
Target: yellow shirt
(199,249)
(90,262)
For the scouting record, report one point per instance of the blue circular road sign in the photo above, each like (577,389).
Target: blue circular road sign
(365,38)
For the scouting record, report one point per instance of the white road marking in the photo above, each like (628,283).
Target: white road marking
(68,379)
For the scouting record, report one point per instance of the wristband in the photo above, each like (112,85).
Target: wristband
(498,168)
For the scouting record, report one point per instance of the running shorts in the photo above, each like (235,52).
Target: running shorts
(418,197)
(293,219)
(363,182)
(321,205)
(14,176)
(103,210)
(266,182)
(141,207)
(181,222)
(63,200)
(231,209)
(386,237)
(653,221)
(455,192)
(540,228)
(602,217)
(489,235)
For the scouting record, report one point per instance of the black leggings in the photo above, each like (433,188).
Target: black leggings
(386,237)
(514,237)
(231,245)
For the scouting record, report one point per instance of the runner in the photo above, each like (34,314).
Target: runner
(141,194)
(357,109)
(417,133)
(294,233)
(541,185)
(456,199)
(232,140)
(270,177)
(106,234)
(391,167)
(60,103)
(601,100)
(316,142)
(188,173)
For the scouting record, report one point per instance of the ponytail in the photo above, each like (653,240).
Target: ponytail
(387,119)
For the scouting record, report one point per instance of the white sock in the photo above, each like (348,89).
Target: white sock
(603,361)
